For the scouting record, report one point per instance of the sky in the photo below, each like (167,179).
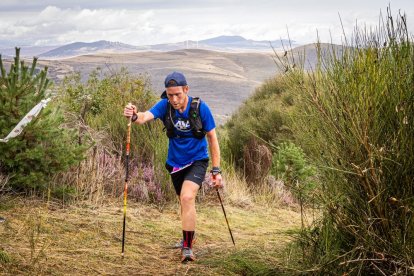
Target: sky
(147,22)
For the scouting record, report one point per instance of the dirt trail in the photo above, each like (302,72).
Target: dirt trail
(86,240)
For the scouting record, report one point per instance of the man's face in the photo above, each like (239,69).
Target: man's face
(177,96)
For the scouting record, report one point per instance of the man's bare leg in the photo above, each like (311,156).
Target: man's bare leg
(188,217)
(187,198)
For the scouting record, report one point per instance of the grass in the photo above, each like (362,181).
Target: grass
(4,257)
(40,238)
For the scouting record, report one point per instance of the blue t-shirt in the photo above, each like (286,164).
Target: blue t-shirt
(186,148)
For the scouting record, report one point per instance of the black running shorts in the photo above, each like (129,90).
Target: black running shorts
(195,173)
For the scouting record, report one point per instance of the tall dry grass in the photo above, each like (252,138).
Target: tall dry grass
(355,114)
(4,181)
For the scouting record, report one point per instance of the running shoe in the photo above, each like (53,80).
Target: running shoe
(187,255)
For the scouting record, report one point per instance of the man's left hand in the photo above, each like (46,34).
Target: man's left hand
(216,180)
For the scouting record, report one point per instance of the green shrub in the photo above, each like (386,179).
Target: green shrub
(291,166)
(263,117)
(45,147)
(354,119)
(98,104)
(64,193)
(288,100)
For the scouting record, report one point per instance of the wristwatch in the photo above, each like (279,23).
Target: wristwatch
(215,171)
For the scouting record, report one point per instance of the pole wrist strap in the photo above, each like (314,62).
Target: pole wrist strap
(134,117)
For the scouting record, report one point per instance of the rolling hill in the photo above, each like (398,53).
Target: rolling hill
(84,48)
(223,79)
(220,43)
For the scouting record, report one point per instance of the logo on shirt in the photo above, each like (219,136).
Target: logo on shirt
(182,125)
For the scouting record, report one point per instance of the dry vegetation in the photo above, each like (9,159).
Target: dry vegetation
(83,239)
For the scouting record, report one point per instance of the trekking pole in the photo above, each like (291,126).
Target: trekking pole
(224,212)
(126,182)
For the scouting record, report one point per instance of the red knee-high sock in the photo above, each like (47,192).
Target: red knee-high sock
(188,238)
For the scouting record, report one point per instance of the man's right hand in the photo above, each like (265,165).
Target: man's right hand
(130,110)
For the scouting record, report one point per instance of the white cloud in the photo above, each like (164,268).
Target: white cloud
(54,25)
(149,22)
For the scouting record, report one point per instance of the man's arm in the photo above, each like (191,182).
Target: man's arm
(142,117)
(214,147)
(215,156)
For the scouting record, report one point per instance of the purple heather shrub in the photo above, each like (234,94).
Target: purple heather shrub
(144,185)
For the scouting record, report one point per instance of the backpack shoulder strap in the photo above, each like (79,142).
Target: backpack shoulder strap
(195,119)
(195,107)
(169,121)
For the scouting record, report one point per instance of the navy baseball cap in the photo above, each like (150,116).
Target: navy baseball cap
(177,77)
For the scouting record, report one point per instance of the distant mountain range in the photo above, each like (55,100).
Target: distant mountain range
(220,43)
(85,48)
(223,43)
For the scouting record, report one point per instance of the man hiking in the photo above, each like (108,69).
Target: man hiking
(187,121)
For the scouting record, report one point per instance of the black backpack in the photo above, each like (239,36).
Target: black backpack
(194,119)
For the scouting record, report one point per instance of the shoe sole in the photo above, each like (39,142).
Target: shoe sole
(188,259)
